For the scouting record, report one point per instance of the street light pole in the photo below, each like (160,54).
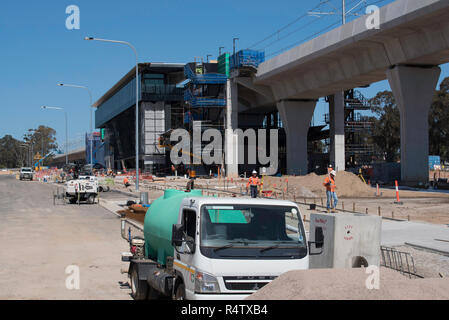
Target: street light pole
(90,107)
(233,45)
(66,131)
(27,157)
(137,98)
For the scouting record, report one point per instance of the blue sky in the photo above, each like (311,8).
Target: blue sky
(38,51)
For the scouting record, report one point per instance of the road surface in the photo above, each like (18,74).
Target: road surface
(38,241)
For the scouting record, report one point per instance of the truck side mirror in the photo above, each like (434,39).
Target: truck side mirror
(319,241)
(177,235)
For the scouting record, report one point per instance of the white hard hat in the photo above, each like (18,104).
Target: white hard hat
(333,173)
(254,171)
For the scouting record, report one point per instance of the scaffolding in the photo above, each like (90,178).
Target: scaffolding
(358,151)
(204,106)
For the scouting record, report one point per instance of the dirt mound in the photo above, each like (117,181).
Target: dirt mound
(350,284)
(311,185)
(129,214)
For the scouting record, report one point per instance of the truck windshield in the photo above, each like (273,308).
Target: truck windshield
(251,230)
(26,170)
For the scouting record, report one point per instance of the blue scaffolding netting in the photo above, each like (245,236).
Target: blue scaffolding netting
(246,58)
(208,78)
(203,101)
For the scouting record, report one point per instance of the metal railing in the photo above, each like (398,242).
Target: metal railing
(399,261)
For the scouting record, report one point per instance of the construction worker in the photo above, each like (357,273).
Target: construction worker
(329,169)
(253,182)
(329,183)
(126,182)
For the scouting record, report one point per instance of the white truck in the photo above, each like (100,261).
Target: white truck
(26,173)
(210,248)
(83,189)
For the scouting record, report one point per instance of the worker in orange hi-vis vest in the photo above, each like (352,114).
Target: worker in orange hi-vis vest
(329,183)
(253,182)
(126,182)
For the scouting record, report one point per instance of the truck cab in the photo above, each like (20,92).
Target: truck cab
(228,248)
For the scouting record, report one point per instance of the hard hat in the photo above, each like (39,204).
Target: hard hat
(333,173)
(254,171)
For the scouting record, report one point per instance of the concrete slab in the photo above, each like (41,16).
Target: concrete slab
(396,233)
(437,246)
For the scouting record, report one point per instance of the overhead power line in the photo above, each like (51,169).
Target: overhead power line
(352,11)
(281,29)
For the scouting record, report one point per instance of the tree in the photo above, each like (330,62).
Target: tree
(12,155)
(386,126)
(439,122)
(42,140)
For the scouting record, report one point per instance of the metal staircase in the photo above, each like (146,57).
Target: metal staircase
(356,125)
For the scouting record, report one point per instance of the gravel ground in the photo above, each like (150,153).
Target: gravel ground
(428,264)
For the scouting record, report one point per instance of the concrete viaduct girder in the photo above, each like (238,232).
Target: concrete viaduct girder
(412,32)
(413,38)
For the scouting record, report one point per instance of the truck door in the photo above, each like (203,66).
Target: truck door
(186,253)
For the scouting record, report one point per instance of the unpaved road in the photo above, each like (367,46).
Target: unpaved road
(38,241)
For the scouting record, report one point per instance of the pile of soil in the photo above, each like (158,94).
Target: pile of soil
(311,185)
(129,214)
(350,284)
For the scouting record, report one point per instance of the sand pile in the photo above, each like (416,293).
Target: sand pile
(311,185)
(130,214)
(350,284)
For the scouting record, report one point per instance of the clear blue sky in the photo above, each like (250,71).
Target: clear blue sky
(38,51)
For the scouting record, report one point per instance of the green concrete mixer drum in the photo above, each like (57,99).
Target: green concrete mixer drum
(159,219)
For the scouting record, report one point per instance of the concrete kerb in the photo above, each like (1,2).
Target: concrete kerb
(427,248)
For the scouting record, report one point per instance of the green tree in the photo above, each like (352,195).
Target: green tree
(42,140)
(386,126)
(12,154)
(439,122)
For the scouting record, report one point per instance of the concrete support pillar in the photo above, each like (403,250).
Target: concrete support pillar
(231,139)
(296,117)
(413,89)
(337,131)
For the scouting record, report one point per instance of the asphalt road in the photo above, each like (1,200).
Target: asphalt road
(38,241)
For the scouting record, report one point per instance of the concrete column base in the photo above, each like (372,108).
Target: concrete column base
(413,89)
(296,117)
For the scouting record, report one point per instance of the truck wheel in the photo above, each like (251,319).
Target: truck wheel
(139,288)
(91,199)
(180,293)
(72,200)
(100,189)
(153,294)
